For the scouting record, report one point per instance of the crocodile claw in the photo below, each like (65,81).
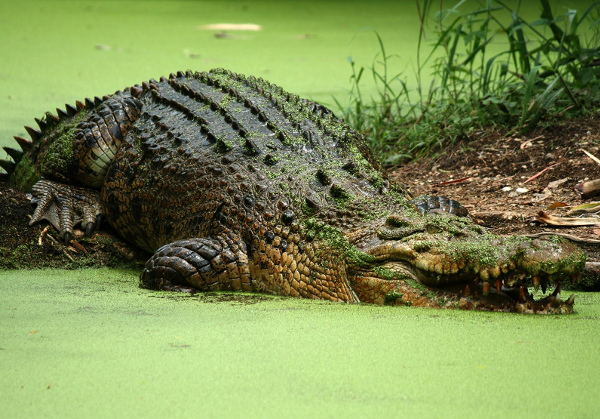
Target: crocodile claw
(65,206)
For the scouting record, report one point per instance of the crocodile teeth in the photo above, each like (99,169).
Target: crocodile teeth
(556,292)
(486,289)
(570,300)
(495,272)
(536,283)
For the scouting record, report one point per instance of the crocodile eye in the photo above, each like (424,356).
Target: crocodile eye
(287,217)
(396,221)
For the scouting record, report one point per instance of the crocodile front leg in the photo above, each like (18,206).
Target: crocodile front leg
(202,264)
(65,206)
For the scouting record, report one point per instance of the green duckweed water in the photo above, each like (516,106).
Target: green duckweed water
(91,343)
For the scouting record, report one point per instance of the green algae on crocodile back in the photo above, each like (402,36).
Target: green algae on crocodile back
(235,184)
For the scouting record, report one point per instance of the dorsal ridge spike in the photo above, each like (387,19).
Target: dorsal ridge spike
(89,103)
(8,165)
(15,154)
(180,74)
(24,143)
(136,91)
(61,114)
(41,123)
(71,110)
(80,106)
(33,133)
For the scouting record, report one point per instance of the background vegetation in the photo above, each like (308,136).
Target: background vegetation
(491,67)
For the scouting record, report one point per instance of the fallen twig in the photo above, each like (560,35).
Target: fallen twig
(450,182)
(42,234)
(525,143)
(539,173)
(591,156)
(61,247)
(565,235)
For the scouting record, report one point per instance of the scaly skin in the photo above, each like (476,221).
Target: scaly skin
(236,184)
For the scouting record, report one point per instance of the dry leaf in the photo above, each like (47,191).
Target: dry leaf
(557,205)
(566,221)
(585,208)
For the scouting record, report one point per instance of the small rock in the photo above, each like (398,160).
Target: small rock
(506,189)
(557,183)
(521,190)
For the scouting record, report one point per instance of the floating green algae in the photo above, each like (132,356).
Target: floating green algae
(90,341)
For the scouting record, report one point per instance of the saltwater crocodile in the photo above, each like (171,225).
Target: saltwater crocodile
(235,184)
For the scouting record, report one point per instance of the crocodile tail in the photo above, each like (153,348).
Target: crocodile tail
(16,155)
(21,169)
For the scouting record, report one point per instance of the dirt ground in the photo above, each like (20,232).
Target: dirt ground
(504,181)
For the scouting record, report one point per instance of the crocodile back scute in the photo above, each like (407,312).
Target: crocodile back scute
(214,150)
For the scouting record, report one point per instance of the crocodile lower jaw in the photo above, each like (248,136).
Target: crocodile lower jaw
(510,293)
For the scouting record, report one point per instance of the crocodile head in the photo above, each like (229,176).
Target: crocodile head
(447,261)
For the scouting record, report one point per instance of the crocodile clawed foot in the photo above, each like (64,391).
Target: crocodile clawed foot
(65,206)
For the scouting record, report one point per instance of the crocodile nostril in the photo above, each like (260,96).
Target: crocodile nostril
(432,229)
